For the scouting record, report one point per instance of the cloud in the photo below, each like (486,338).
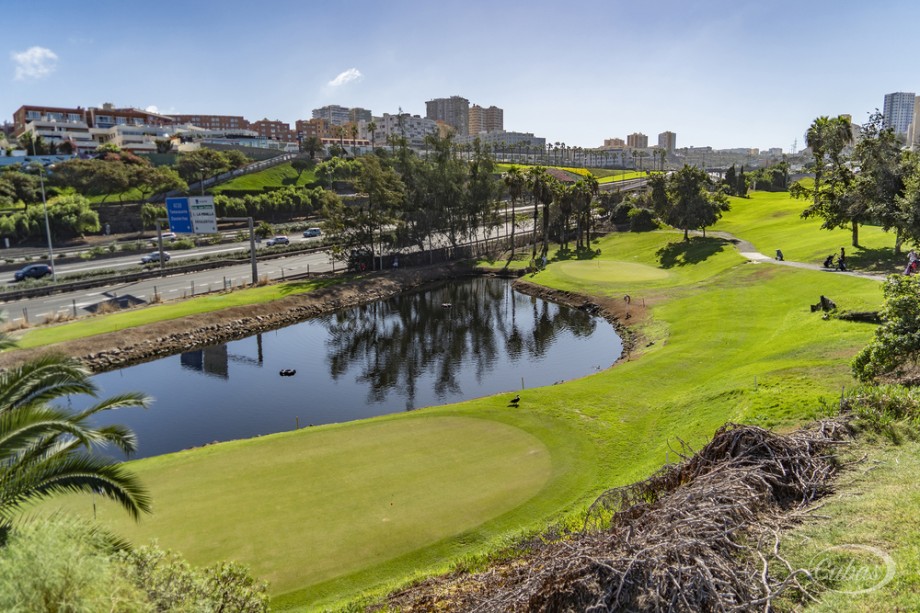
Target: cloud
(352,74)
(34,63)
(152,109)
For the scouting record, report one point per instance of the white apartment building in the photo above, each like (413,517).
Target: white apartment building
(898,111)
(413,127)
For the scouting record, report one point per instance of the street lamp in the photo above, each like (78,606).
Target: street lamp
(202,180)
(41,181)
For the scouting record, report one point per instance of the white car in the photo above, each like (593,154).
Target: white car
(154,257)
(277,240)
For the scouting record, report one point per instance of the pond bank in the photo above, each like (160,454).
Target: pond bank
(114,350)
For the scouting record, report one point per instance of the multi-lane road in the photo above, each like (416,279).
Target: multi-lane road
(172,285)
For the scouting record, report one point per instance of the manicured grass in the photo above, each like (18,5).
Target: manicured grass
(92,326)
(281,175)
(772,220)
(875,506)
(132,195)
(723,340)
(604,175)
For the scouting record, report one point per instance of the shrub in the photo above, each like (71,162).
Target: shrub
(641,220)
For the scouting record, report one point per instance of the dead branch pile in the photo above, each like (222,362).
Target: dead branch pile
(700,535)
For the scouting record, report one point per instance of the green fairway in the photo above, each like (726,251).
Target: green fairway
(772,220)
(278,176)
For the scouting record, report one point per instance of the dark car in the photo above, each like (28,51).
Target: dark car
(32,271)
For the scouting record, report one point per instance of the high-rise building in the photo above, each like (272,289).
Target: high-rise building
(454,111)
(637,140)
(667,141)
(898,111)
(913,131)
(486,120)
(357,114)
(334,114)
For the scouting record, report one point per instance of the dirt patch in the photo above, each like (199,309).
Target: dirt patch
(144,343)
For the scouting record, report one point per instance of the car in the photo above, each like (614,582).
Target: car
(154,257)
(311,232)
(32,271)
(277,240)
(167,236)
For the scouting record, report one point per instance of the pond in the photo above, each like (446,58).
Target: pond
(454,342)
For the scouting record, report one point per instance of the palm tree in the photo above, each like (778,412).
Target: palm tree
(515,182)
(372,128)
(46,451)
(354,138)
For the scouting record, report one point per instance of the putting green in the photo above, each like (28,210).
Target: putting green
(606,271)
(316,504)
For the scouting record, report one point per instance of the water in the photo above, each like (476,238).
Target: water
(404,353)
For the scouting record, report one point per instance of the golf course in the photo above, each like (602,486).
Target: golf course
(335,514)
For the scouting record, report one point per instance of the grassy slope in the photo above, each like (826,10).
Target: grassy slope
(604,175)
(281,175)
(732,341)
(773,221)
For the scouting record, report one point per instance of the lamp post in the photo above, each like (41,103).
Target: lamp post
(202,180)
(41,181)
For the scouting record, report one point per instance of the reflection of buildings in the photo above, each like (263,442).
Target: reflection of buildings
(210,361)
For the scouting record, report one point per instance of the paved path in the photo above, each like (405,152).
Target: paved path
(746,249)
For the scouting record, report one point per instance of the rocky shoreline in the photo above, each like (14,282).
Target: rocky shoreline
(135,345)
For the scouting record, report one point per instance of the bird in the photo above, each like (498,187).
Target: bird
(515,400)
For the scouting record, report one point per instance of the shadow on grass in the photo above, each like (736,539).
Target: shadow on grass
(309,285)
(694,251)
(582,253)
(881,259)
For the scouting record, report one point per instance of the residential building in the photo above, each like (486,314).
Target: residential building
(486,119)
(306,128)
(334,114)
(109,116)
(213,122)
(55,125)
(614,143)
(898,111)
(357,114)
(133,138)
(413,127)
(274,130)
(637,140)
(667,141)
(913,131)
(506,141)
(454,111)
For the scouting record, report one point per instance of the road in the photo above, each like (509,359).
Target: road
(173,285)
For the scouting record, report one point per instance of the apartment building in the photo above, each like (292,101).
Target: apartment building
(214,122)
(306,128)
(333,114)
(637,140)
(667,141)
(898,111)
(413,127)
(357,114)
(274,130)
(614,143)
(454,111)
(486,119)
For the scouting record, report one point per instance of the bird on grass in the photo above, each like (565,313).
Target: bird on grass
(514,401)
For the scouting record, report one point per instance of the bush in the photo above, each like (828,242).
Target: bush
(641,220)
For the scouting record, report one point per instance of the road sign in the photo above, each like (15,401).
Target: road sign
(204,219)
(194,215)
(179,215)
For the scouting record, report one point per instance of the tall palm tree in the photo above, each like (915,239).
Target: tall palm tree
(372,128)
(515,182)
(46,451)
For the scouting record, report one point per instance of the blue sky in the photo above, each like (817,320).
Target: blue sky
(726,74)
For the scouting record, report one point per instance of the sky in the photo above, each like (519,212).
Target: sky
(742,73)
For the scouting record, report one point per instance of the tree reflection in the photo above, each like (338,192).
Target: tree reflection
(437,332)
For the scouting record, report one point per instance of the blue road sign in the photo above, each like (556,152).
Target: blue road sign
(179,215)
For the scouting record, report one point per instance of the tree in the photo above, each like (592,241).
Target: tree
(830,196)
(311,145)
(149,180)
(541,189)
(164,145)
(33,145)
(202,163)
(21,187)
(372,129)
(896,346)
(236,159)
(688,201)
(300,165)
(515,182)
(46,451)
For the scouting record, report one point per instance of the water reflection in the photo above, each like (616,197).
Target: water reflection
(407,352)
(442,332)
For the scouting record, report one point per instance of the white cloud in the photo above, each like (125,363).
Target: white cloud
(34,63)
(349,75)
(152,109)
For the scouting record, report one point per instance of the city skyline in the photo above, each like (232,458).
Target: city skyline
(725,75)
